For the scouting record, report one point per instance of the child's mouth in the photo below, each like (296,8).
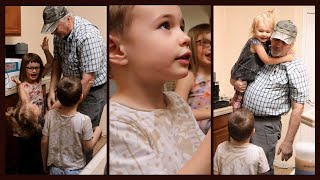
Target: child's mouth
(208,56)
(185,56)
(34,76)
(184,59)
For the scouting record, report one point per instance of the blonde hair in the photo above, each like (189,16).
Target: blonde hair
(267,18)
(22,120)
(194,33)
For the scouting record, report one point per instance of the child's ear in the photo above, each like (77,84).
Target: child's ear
(117,53)
(81,98)
(253,131)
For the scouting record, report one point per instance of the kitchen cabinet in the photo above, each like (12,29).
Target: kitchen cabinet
(13,20)
(220,126)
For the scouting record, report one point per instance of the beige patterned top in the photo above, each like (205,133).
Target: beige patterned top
(247,159)
(66,134)
(152,142)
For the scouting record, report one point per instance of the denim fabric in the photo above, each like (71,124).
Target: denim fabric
(57,171)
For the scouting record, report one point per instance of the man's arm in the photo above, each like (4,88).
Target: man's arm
(55,76)
(87,82)
(294,123)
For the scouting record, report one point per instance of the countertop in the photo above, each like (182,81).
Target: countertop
(97,165)
(45,80)
(222,111)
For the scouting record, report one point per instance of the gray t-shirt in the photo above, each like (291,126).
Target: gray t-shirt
(66,134)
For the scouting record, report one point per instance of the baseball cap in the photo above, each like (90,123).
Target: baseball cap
(51,16)
(286,31)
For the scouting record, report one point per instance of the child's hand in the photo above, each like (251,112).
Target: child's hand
(292,52)
(290,55)
(15,80)
(45,45)
(56,105)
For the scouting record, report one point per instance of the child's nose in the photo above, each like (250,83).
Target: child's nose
(185,39)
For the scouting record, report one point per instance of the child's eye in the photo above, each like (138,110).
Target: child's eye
(165,25)
(182,28)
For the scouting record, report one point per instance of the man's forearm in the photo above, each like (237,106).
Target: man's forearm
(294,123)
(87,82)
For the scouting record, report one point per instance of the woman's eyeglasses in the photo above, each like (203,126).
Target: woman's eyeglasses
(33,68)
(204,43)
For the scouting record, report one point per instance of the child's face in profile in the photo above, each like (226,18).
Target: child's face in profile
(156,46)
(204,49)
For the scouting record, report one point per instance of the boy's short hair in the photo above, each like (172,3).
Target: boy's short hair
(119,18)
(69,90)
(241,124)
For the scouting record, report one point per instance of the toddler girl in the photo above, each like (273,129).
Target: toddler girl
(195,88)
(27,131)
(254,54)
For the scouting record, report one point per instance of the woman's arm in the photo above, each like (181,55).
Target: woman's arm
(184,85)
(267,59)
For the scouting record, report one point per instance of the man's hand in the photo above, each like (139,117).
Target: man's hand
(286,150)
(239,85)
(51,100)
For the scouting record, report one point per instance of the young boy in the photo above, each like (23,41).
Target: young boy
(151,132)
(67,134)
(238,156)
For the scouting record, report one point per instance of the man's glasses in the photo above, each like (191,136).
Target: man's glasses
(33,68)
(204,43)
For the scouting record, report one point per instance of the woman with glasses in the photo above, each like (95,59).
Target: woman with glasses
(195,88)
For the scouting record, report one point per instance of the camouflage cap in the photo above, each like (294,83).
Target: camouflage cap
(51,15)
(286,31)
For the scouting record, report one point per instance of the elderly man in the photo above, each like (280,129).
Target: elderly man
(277,89)
(78,51)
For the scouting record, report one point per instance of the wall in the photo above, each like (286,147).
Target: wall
(232,30)
(31,25)
(194,15)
